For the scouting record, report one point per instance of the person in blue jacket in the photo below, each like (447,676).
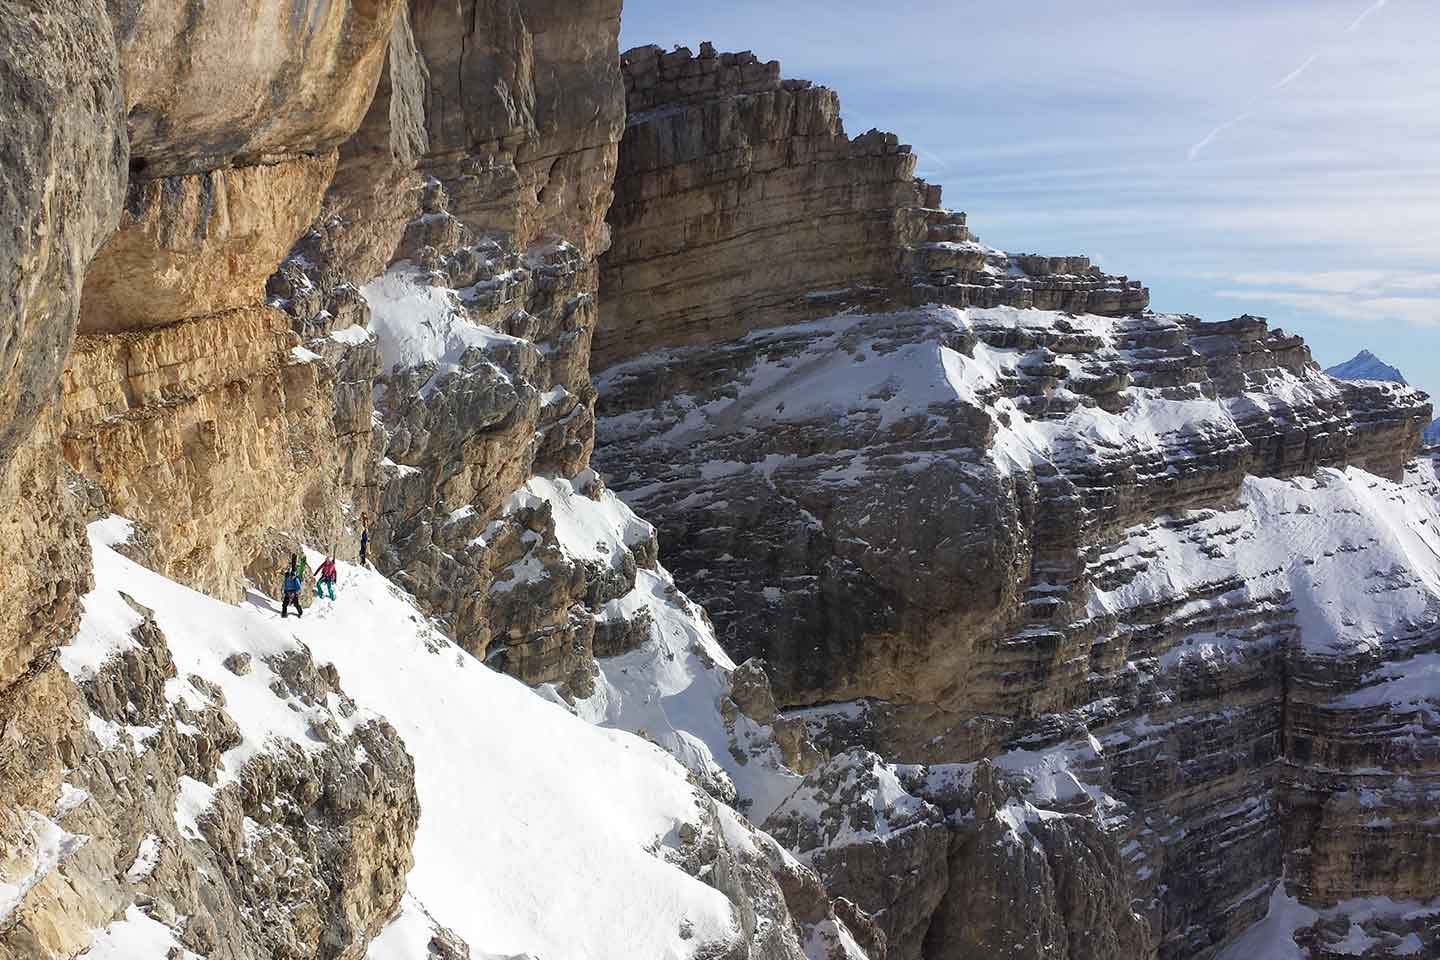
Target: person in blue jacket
(292,589)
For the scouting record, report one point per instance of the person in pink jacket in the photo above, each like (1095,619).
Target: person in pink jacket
(325,579)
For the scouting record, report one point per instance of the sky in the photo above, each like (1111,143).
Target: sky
(1276,158)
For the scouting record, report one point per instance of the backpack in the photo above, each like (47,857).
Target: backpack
(292,583)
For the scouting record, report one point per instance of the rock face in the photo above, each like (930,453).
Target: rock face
(62,174)
(259,80)
(1042,624)
(344,263)
(712,231)
(1055,560)
(987,425)
(740,202)
(185,402)
(300,852)
(482,172)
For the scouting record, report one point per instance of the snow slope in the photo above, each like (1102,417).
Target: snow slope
(1365,366)
(540,834)
(868,373)
(1313,530)
(671,686)
(419,323)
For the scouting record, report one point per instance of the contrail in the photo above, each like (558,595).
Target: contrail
(1365,15)
(1285,81)
(1293,75)
(1210,137)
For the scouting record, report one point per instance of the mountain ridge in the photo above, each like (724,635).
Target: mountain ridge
(1034,622)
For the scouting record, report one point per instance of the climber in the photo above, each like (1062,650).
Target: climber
(364,536)
(325,578)
(292,592)
(300,567)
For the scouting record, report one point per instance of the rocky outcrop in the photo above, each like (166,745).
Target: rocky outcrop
(245,82)
(62,172)
(916,491)
(737,194)
(129,792)
(773,464)
(482,172)
(847,474)
(741,202)
(185,402)
(354,272)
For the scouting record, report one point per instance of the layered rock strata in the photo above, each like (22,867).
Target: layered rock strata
(919,498)
(741,202)
(63,176)
(1049,481)
(353,272)
(186,402)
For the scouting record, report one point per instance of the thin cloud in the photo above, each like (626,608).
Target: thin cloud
(1353,282)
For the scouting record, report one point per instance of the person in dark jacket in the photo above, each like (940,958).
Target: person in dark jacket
(364,536)
(291,593)
(325,578)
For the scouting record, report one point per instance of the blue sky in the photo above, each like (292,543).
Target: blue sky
(1277,158)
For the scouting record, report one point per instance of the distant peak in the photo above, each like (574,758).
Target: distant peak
(1365,366)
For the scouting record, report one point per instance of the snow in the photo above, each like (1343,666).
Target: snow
(407,936)
(353,335)
(1356,554)
(671,686)
(871,372)
(417,323)
(145,860)
(1409,946)
(1274,937)
(1365,366)
(888,808)
(539,833)
(303,355)
(201,635)
(1400,684)
(1355,942)
(191,802)
(70,799)
(597,531)
(44,846)
(136,937)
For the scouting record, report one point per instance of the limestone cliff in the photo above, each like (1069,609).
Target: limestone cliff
(1086,625)
(740,202)
(337,261)
(1014,548)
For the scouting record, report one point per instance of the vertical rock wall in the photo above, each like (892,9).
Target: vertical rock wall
(956,499)
(62,177)
(184,404)
(738,193)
